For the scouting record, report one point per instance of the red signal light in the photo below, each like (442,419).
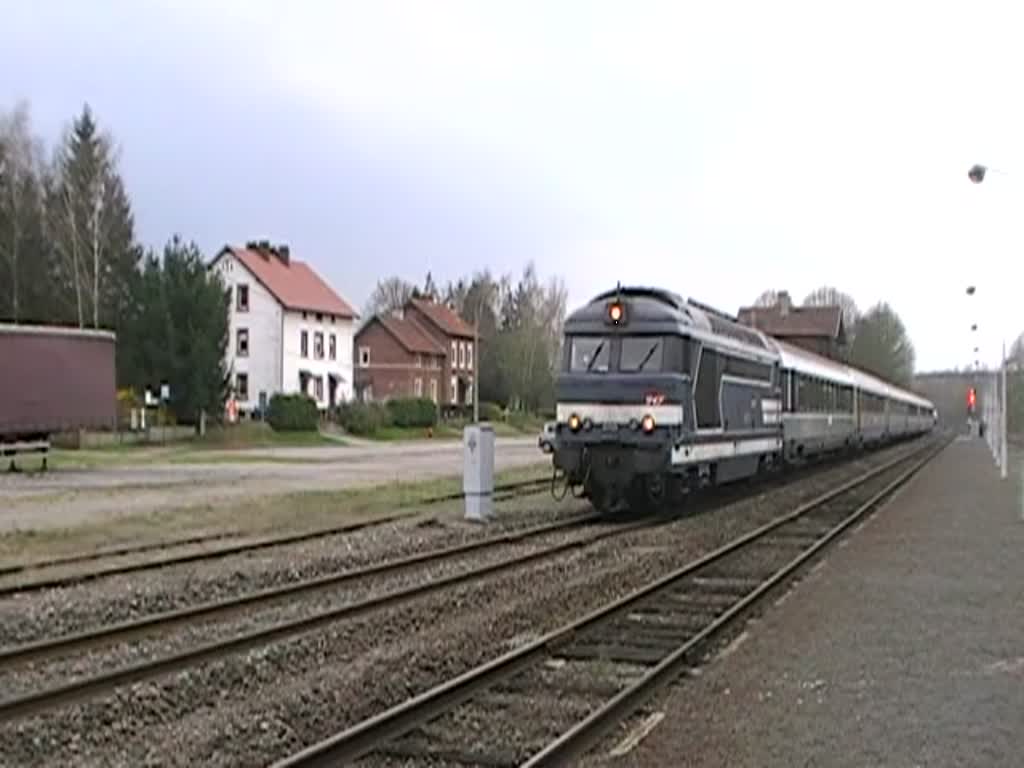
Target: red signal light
(971,397)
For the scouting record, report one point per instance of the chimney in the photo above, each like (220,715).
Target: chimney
(784,303)
(284,254)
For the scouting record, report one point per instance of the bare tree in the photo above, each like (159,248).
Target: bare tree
(20,201)
(882,345)
(391,293)
(767,299)
(91,224)
(827,296)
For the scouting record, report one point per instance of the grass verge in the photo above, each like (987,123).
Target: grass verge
(261,516)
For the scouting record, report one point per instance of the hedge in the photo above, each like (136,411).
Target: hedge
(363,418)
(413,412)
(491,412)
(292,413)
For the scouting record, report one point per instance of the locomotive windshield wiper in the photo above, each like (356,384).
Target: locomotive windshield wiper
(597,353)
(647,357)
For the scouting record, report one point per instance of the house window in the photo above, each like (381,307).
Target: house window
(318,345)
(319,317)
(469,356)
(318,387)
(433,390)
(332,347)
(462,354)
(454,396)
(304,343)
(242,344)
(417,387)
(368,393)
(419,361)
(242,386)
(364,357)
(242,296)
(455,354)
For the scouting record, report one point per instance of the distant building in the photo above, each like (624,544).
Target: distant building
(423,349)
(289,330)
(816,329)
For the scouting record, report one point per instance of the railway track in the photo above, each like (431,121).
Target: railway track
(551,700)
(100,684)
(501,493)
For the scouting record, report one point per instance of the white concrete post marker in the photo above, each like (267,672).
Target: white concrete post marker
(478,471)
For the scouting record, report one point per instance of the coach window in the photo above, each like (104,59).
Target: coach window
(589,353)
(641,353)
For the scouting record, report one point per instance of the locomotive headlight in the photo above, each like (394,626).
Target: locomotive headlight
(616,312)
(574,423)
(647,423)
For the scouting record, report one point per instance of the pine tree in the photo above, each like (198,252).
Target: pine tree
(95,257)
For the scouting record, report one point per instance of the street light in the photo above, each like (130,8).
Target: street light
(976,174)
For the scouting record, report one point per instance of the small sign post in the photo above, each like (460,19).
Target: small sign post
(478,471)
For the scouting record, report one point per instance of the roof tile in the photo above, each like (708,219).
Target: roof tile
(798,321)
(295,284)
(410,335)
(443,317)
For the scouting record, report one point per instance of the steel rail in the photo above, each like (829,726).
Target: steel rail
(589,731)
(93,686)
(126,630)
(367,735)
(192,557)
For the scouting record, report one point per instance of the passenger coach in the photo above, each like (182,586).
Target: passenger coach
(658,394)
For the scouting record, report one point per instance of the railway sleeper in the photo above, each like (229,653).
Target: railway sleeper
(683,623)
(409,748)
(615,653)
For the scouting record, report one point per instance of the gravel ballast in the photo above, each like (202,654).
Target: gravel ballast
(255,707)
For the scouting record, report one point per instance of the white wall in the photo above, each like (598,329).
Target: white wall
(344,330)
(263,321)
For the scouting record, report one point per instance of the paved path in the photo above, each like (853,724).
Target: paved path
(906,648)
(68,497)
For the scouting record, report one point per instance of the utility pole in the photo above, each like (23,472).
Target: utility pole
(1002,436)
(476,365)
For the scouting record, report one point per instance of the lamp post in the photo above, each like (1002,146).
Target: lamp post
(976,174)
(476,365)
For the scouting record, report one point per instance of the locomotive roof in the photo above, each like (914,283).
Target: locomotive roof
(654,310)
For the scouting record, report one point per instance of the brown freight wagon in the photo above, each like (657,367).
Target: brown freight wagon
(53,380)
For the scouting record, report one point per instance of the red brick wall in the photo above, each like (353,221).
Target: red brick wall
(393,370)
(445,394)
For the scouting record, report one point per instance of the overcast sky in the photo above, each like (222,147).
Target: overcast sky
(717,148)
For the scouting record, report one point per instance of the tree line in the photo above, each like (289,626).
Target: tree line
(519,322)
(69,256)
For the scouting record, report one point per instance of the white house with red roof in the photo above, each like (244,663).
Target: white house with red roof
(290,331)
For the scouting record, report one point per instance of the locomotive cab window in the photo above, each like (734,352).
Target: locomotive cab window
(641,353)
(589,353)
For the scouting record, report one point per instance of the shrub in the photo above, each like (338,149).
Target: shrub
(491,412)
(292,413)
(363,418)
(413,412)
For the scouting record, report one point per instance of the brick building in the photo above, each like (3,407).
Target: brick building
(816,329)
(422,350)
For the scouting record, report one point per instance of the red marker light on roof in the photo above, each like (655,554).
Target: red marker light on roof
(616,312)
